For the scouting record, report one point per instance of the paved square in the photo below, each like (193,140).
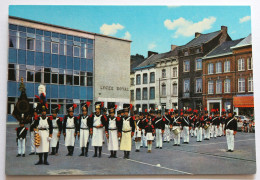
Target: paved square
(207,157)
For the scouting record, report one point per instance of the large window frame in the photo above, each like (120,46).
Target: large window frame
(241,64)
(210,87)
(227,87)
(241,85)
(186,66)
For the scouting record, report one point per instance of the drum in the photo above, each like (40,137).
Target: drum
(176,131)
(37,140)
(206,126)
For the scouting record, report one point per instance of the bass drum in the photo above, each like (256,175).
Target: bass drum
(206,126)
(176,131)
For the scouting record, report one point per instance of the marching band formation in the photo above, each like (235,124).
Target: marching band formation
(119,129)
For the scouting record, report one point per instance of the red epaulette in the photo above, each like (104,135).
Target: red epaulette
(78,117)
(133,117)
(146,126)
(36,117)
(152,126)
(118,118)
(26,129)
(90,115)
(60,119)
(51,118)
(105,118)
(163,119)
(16,129)
(210,117)
(146,120)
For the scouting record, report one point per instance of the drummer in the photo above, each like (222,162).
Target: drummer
(175,124)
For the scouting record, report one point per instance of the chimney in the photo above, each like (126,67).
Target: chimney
(173,47)
(197,34)
(224,28)
(151,53)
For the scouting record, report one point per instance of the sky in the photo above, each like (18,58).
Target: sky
(150,28)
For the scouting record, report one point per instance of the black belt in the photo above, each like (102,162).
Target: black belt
(127,131)
(84,128)
(97,127)
(112,129)
(55,127)
(41,129)
(70,128)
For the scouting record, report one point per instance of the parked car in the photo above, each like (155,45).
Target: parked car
(240,121)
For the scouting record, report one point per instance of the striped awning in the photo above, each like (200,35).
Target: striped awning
(243,101)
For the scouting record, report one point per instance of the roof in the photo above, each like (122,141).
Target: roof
(151,60)
(223,49)
(202,38)
(246,42)
(135,61)
(57,26)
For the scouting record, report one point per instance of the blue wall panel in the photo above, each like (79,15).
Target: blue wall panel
(39,59)
(89,65)
(69,62)
(12,58)
(83,93)
(30,58)
(90,93)
(76,64)
(54,91)
(12,88)
(76,92)
(69,89)
(62,62)
(83,64)
(30,89)
(21,56)
(62,91)
(47,60)
(55,61)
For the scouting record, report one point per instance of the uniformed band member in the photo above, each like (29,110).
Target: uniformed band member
(215,123)
(185,123)
(222,122)
(199,125)
(230,130)
(192,118)
(145,119)
(166,137)
(70,129)
(206,125)
(149,133)
(175,125)
(159,125)
(84,126)
(57,128)
(32,134)
(138,131)
(126,131)
(21,133)
(44,126)
(111,129)
(97,124)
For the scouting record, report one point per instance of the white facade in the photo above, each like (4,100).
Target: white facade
(167,82)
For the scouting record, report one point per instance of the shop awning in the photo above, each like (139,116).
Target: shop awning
(243,101)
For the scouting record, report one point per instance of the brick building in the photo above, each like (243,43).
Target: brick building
(190,66)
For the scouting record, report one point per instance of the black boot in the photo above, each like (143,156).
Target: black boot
(68,147)
(95,155)
(52,151)
(115,154)
(45,159)
(100,151)
(111,154)
(57,148)
(72,150)
(82,151)
(40,159)
(127,154)
(124,154)
(86,153)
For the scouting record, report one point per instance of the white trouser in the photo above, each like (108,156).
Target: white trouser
(83,139)
(191,132)
(144,141)
(21,146)
(230,139)
(207,133)
(176,137)
(186,137)
(158,138)
(220,132)
(195,131)
(211,130)
(32,142)
(199,134)
(215,130)
(166,135)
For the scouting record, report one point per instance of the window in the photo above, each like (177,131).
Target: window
(22,40)
(69,48)
(12,39)
(76,78)
(54,78)
(54,48)
(186,53)
(164,73)
(218,67)
(76,50)
(186,87)
(11,105)
(69,77)
(210,68)
(199,64)
(62,47)
(39,43)
(186,65)
(145,78)
(249,63)
(38,74)
(89,79)
(138,79)
(198,85)
(138,94)
(47,75)
(144,93)
(61,77)
(227,86)
(241,85)
(30,44)
(175,72)
(132,81)
(83,78)
(210,87)
(163,89)
(227,66)
(11,72)
(218,86)
(227,104)
(30,76)
(152,93)
(83,50)
(174,89)
(132,93)
(47,47)
(241,64)
(152,77)
(250,84)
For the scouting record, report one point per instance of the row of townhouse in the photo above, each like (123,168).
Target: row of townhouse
(180,78)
